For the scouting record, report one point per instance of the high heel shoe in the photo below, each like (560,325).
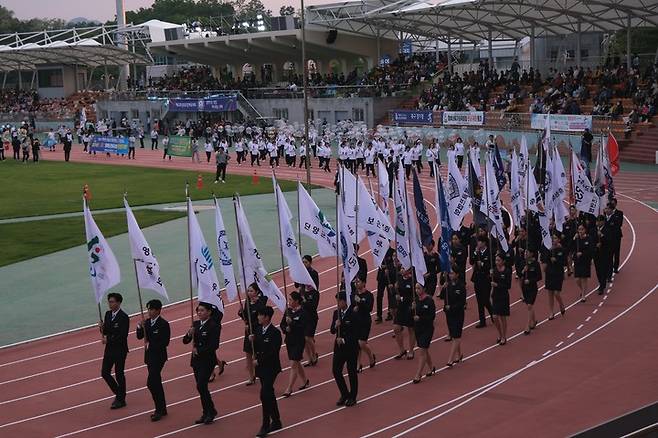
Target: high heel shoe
(551,318)
(498,341)
(410,357)
(416,380)
(461,356)
(374,361)
(532,327)
(359,369)
(526,332)
(222,365)
(503,342)
(305,385)
(562,312)
(251,382)
(450,364)
(286,394)
(401,355)
(431,373)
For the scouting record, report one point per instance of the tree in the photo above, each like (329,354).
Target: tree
(181,11)
(287,10)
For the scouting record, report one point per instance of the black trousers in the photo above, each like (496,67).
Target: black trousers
(17,153)
(116,360)
(35,155)
(268,400)
(67,153)
(616,248)
(326,164)
(131,152)
(407,171)
(240,156)
(141,143)
(483,296)
(154,384)
(431,164)
(381,290)
(154,143)
(370,168)
(346,354)
(419,166)
(460,160)
(302,161)
(165,152)
(603,267)
(255,159)
(202,373)
(221,171)
(208,155)
(359,163)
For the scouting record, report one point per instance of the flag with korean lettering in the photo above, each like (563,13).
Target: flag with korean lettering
(586,199)
(204,277)
(103,266)
(347,253)
(515,189)
(459,201)
(315,225)
(382,179)
(146,265)
(369,216)
(401,229)
(421,212)
(225,255)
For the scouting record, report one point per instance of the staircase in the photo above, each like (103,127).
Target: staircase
(247,109)
(642,145)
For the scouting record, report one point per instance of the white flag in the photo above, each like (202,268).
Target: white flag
(379,245)
(254,269)
(515,188)
(382,177)
(103,266)
(586,198)
(315,225)
(459,202)
(549,200)
(148,270)
(417,256)
(533,197)
(369,216)
(401,229)
(559,190)
(224,251)
(491,204)
(296,268)
(204,277)
(523,159)
(347,253)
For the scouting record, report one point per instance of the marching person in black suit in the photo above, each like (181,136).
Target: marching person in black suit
(345,325)
(114,329)
(459,257)
(425,312)
(404,296)
(385,284)
(293,327)
(582,260)
(481,278)
(603,252)
(615,220)
(501,280)
(267,343)
(156,334)
(454,295)
(310,302)
(363,303)
(531,275)
(555,262)
(205,334)
(217,315)
(432,264)
(249,314)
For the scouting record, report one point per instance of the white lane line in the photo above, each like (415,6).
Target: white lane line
(588,318)
(570,335)
(559,344)
(579,327)
(594,311)
(547,353)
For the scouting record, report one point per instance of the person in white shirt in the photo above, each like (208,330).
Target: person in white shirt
(165,148)
(154,139)
(291,153)
(208,148)
(253,151)
(302,156)
(273,152)
(431,153)
(359,156)
(327,156)
(239,150)
(262,148)
(407,161)
(491,143)
(459,152)
(351,158)
(417,155)
(369,156)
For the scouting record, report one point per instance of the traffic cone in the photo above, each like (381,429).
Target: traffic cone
(255,179)
(199,182)
(86,192)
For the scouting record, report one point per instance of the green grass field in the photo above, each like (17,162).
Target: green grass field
(25,240)
(56,187)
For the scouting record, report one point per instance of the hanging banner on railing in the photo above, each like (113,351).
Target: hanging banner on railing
(216,104)
(111,145)
(463,118)
(411,116)
(562,122)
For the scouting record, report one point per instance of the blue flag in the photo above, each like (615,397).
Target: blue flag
(444,244)
(499,168)
(421,213)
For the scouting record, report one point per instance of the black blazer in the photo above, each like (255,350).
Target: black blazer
(206,342)
(266,348)
(158,337)
(116,332)
(349,327)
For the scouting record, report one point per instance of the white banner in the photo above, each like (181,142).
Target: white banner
(463,118)
(561,122)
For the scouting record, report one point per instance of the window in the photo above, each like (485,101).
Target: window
(309,114)
(134,114)
(51,78)
(571,54)
(584,54)
(358,114)
(553,55)
(342,115)
(280,113)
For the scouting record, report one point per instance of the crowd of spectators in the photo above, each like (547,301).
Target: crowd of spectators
(26,103)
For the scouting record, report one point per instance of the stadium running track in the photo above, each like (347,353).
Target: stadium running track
(571,373)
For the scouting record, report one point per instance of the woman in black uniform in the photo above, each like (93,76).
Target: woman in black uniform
(249,313)
(582,260)
(555,275)
(363,302)
(310,301)
(292,325)
(425,311)
(531,275)
(520,245)
(404,296)
(569,229)
(501,280)
(454,292)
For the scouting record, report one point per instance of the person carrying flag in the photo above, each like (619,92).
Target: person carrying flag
(345,325)
(114,328)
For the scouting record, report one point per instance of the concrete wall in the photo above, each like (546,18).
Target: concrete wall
(332,109)
(132,109)
(68,83)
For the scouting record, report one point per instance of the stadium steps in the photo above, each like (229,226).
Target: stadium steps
(642,145)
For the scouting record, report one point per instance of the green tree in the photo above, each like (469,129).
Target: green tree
(287,10)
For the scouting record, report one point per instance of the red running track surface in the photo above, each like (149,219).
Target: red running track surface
(572,373)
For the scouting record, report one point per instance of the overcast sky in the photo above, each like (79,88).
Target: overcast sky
(103,10)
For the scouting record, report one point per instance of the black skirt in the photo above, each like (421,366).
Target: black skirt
(403,316)
(500,302)
(364,329)
(582,267)
(455,320)
(295,349)
(554,281)
(311,324)
(424,336)
(529,293)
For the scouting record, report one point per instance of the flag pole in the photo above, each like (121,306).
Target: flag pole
(139,291)
(85,203)
(486,200)
(236,200)
(356,212)
(411,250)
(278,216)
(338,249)
(299,221)
(189,248)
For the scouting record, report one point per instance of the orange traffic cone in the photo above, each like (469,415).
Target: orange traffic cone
(86,192)
(199,182)
(255,179)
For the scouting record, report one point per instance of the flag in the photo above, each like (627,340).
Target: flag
(515,188)
(533,197)
(421,212)
(146,265)
(253,269)
(549,202)
(370,218)
(444,222)
(204,277)
(401,230)
(585,197)
(559,190)
(613,154)
(224,252)
(417,255)
(499,168)
(103,266)
(599,181)
(83,118)
(296,268)
(607,174)
(491,204)
(315,225)
(475,190)
(459,201)
(382,178)
(347,253)
(524,162)
(378,246)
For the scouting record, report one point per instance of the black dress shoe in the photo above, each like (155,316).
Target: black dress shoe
(481,325)
(156,416)
(276,425)
(341,401)
(263,431)
(210,419)
(118,404)
(350,402)
(200,420)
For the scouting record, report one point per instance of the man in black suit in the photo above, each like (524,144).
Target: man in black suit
(205,334)
(615,220)
(114,329)
(156,334)
(345,325)
(267,343)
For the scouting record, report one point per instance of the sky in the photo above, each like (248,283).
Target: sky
(102,10)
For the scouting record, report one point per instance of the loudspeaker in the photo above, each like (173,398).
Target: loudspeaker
(331,36)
